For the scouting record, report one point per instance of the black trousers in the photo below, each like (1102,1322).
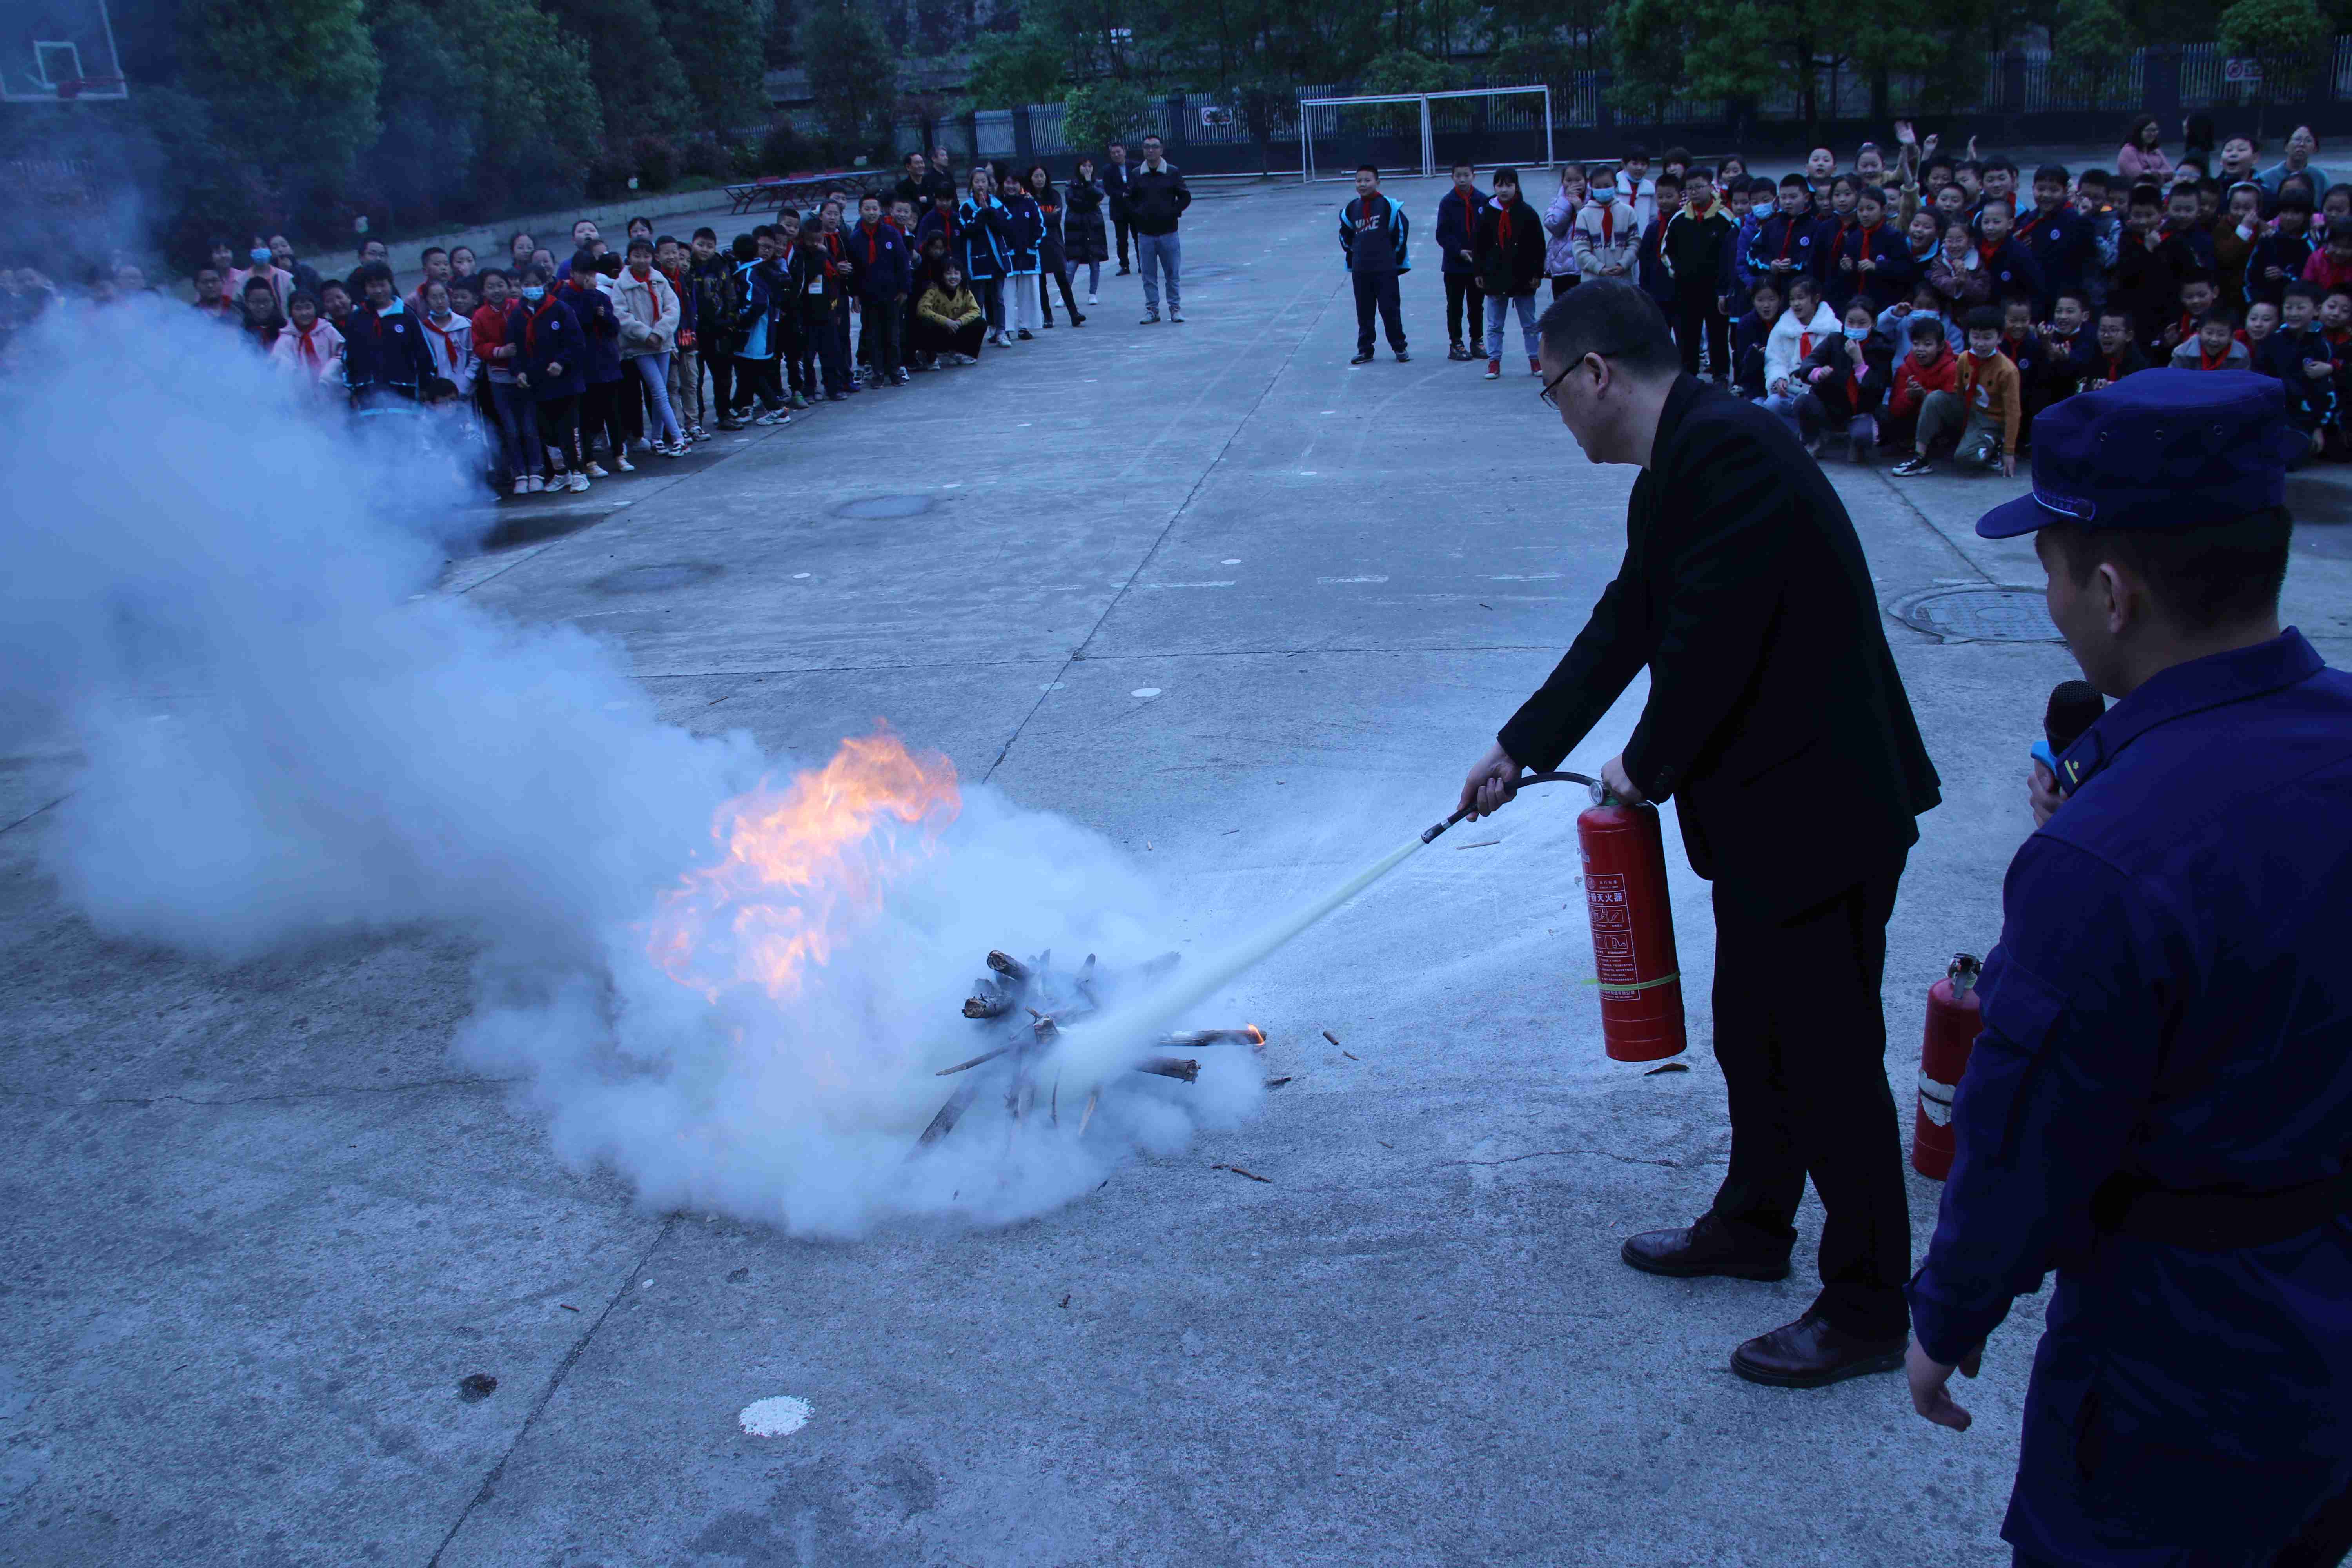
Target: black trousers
(878,340)
(1801,1039)
(1562,282)
(1697,313)
(1378,291)
(723,382)
(1120,223)
(1462,292)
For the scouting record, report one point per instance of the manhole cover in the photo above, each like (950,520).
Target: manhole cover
(653,579)
(1976,615)
(884,506)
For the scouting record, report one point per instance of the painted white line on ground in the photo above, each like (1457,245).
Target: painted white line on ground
(776,1417)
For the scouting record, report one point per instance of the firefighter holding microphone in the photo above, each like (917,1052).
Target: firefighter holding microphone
(1744,592)
(2160,1106)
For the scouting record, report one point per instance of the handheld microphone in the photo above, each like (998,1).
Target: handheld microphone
(2074,707)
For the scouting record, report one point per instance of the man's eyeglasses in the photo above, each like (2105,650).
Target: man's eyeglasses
(1549,393)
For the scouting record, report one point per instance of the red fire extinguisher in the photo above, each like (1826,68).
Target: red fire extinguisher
(1954,1019)
(1633,931)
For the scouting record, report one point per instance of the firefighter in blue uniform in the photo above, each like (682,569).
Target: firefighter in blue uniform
(2160,1105)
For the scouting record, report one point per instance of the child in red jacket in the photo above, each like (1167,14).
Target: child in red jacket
(1928,367)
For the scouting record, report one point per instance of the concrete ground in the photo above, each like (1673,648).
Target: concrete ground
(256,1228)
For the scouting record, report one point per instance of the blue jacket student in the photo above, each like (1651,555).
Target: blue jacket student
(981,248)
(1025,232)
(2287,252)
(1783,237)
(1890,275)
(761,285)
(548,333)
(1457,229)
(600,324)
(1649,265)
(2012,270)
(2158,1106)
(1398,225)
(2062,246)
(384,353)
(2310,400)
(1735,279)
(878,257)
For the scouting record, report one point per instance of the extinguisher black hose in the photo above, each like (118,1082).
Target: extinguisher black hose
(1523,780)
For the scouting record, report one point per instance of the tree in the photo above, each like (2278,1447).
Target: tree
(291,86)
(2095,41)
(1648,41)
(1010,68)
(853,71)
(1102,112)
(1404,70)
(2285,37)
(535,123)
(721,49)
(635,72)
(428,105)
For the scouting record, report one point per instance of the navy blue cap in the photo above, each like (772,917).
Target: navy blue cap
(2161,449)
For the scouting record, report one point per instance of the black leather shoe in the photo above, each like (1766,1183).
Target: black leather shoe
(1708,1247)
(1363,356)
(1811,1353)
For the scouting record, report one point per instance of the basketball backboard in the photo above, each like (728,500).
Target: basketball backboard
(57,50)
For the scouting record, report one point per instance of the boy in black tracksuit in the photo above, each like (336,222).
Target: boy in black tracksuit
(1692,248)
(1372,237)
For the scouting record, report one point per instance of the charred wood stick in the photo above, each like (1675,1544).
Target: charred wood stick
(950,1114)
(983,1056)
(988,1004)
(1192,1040)
(1007,965)
(1184,1067)
(1093,1097)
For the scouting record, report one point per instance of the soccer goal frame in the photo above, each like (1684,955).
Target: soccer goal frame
(1422,100)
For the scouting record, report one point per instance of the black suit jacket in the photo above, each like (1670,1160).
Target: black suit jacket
(1774,710)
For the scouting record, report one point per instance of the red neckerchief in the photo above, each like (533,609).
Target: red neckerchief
(2188,323)
(1788,238)
(547,303)
(1503,226)
(1864,231)
(2005,344)
(2027,225)
(2207,361)
(447,347)
(1986,251)
(1608,222)
(836,257)
(872,234)
(1469,214)
(302,340)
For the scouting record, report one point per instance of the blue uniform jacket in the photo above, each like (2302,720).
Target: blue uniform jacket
(385,353)
(1457,228)
(549,333)
(2287,252)
(1399,225)
(1780,237)
(2310,402)
(2169,1000)
(600,325)
(1890,276)
(878,257)
(2013,270)
(1735,279)
(981,248)
(2060,244)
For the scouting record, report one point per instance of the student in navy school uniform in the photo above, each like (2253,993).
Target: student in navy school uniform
(2008,267)
(2184,225)
(1457,245)
(552,370)
(1657,281)
(1785,241)
(1869,257)
(2299,354)
(2279,258)
(2057,238)
(384,356)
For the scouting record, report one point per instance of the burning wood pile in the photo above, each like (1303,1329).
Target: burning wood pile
(1024,1007)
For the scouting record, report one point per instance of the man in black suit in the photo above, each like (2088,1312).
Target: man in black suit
(1777,720)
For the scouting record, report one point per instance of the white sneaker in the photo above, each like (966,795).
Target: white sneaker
(1092,301)
(621,461)
(579,482)
(645,444)
(677,450)
(522,486)
(593,471)
(537,484)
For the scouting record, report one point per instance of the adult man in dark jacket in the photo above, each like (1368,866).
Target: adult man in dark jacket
(384,356)
(1114,182)
(1776,715)
(1156,199)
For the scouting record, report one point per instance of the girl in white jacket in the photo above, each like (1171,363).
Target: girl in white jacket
(1801,327)
(648,311)
(310,345)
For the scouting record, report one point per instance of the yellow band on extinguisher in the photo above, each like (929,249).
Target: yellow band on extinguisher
(1634,986)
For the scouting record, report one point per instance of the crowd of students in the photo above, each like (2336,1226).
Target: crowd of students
(1918,305)
(557,368)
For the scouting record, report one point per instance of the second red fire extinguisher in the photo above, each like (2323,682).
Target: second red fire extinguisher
(1955,1017)
(1633,931)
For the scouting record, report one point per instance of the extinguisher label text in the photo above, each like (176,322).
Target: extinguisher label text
(1612,936)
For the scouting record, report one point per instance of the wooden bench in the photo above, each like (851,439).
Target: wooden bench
(774,193)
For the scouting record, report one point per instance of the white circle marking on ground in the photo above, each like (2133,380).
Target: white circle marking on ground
(776,1417)
(1145,692)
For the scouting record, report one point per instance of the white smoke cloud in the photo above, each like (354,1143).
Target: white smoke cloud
(290,738)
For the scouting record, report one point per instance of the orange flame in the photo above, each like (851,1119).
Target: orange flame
(798,866)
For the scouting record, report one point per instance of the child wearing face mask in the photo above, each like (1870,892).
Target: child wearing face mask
(513,412)
(1844,380)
